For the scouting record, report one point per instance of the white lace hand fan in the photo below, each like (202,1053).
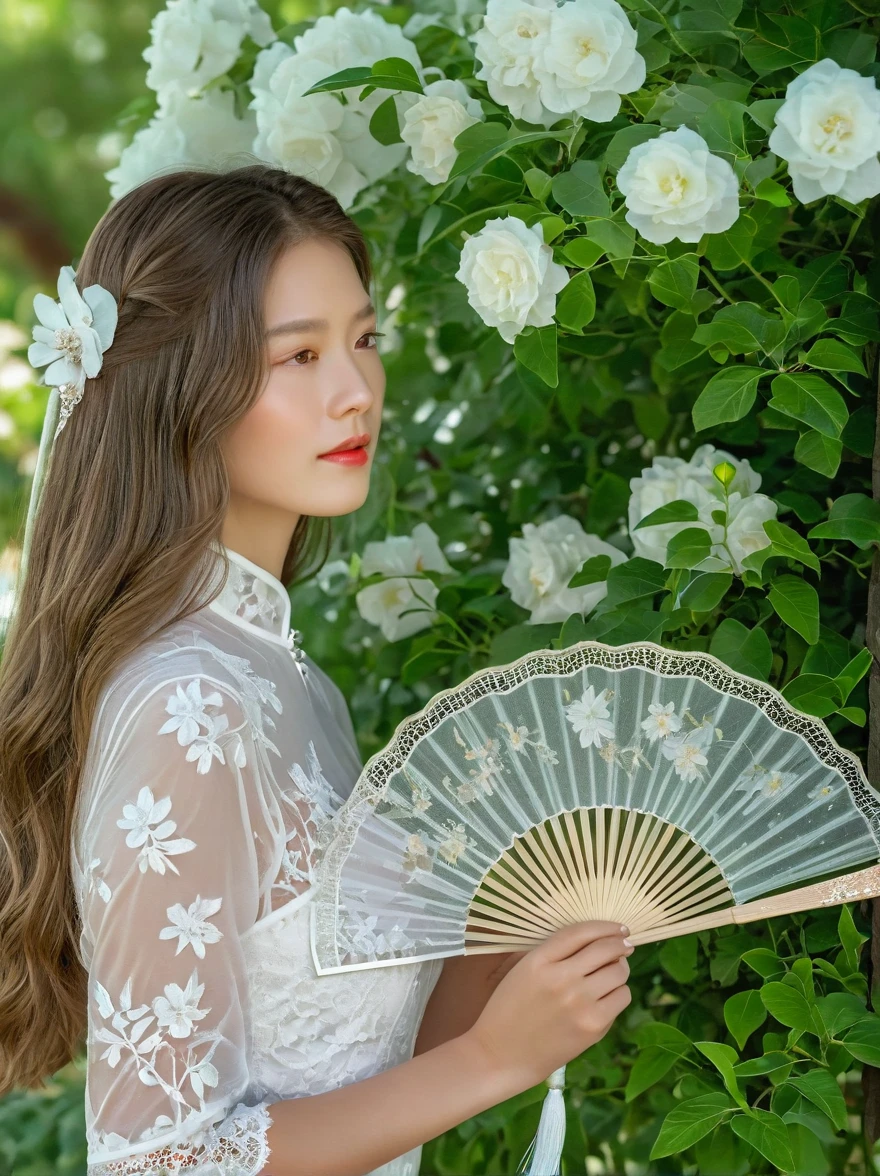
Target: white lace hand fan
(653,787)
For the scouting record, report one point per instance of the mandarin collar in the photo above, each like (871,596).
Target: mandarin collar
(254,599)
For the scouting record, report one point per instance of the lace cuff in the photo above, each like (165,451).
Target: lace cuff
(235,1147)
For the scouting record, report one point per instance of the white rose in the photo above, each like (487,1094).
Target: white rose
(195,41)
(510,276)
(431,123)
(190,132)
(674,187)
(828,130)
(509,44)
(401,558)
(544,560)
(299,133)
(668,479)
(318,136)
(588,60)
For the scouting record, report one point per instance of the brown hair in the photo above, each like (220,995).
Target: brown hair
(136,490)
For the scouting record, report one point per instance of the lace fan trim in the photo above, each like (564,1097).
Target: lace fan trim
(236,1147)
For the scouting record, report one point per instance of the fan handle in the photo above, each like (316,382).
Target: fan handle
(845,888)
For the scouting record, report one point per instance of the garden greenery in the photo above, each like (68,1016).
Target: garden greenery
(632,318)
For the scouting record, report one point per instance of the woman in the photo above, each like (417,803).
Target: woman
(171,760)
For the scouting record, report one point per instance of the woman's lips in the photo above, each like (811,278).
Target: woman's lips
(355,457)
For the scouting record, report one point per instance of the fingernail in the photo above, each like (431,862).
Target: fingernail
(627,942)
(624,930)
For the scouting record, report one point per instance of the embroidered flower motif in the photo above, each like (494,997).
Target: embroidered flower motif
(764,784)
(453,846)
(178,1009)
(662,721)
(589,716)
(491,770)
(190,924)
(187,708)
(139,819)
(96,883)
(520,739)
(416,856)
(255,691)
(686,751)
(820,791)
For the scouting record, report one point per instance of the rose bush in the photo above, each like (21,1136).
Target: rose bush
(631,314)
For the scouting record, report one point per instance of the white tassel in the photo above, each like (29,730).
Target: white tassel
(546,1148)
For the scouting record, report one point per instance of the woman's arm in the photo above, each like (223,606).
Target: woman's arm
(352,1130)
(460,995)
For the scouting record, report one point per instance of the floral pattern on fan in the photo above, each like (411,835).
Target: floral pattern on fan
(685,747)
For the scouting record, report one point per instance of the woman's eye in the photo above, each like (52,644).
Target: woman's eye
(295,359)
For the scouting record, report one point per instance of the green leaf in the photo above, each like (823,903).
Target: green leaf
(688,548)
(815,694)
(688,1122)
(833,356)
(786,541)
(766,1064)
(592,571)
(580,190)
(840,1010)
(634,580)
(674,282)
(680,510)
(384,125)
(853,517)
(851,939)
(723,1058)
(818,452)
(391,73)
(706,590)
(854,670)
(721,125)
(797,603)
(538,182)
(747,651)
(821,1088)
(744,1012)
(577,302)
(651,1064)
(728,396)
(810,399)
(623,142)
(744,328)
(582,252)
(761,959)
(863,1040)
(536,349)
(616,236)
(787,1005)
(773,192)
(767,1134)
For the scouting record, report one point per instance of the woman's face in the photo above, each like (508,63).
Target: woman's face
(325,384)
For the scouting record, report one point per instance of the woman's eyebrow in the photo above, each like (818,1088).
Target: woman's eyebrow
(315,324)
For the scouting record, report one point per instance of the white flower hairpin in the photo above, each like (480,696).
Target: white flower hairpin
(71,338)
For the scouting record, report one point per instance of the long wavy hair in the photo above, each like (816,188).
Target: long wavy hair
(136,490)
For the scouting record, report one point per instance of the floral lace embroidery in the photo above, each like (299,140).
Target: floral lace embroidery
(237,1147)
(310,832)
(249,597)
(139,819)
(174,1015)
(255,691)
(188,714)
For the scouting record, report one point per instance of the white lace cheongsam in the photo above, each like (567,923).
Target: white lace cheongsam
(219,755)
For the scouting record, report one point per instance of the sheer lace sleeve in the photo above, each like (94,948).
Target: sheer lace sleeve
(171,880)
